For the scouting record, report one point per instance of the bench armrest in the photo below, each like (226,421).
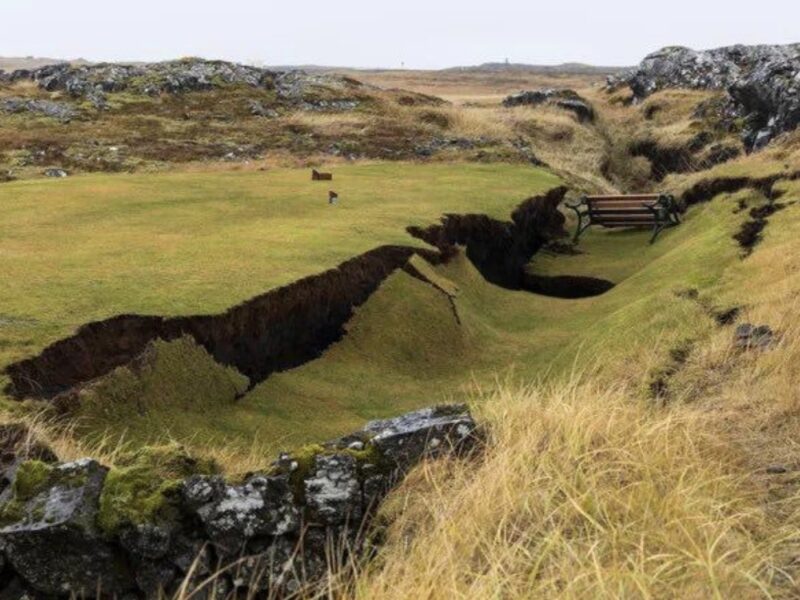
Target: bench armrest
(578,204)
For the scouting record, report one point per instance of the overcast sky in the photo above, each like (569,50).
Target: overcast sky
(417,33)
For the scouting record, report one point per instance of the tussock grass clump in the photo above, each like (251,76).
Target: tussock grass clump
(582,493)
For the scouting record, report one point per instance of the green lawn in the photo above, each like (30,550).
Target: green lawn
(91,247)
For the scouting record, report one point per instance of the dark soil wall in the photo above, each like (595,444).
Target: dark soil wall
(277,330)
(567,286)
(289,326)
(500,249)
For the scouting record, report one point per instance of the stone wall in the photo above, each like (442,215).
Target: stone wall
(148,525)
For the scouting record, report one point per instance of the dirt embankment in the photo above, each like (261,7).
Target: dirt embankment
(500,249)
(750,232)
(275,331)
(289,326)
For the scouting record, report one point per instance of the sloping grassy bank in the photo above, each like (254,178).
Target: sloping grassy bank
(594,487)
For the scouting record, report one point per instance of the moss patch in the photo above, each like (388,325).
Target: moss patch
(143,488)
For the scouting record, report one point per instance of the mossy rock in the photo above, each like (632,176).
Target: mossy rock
(143,488)
(32,478)
(301,462)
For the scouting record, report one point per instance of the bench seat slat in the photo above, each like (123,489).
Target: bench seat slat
(632,197)
(636,203)
(627,218)
(626,223)
(620,211)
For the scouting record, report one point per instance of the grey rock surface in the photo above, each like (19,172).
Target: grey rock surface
(55,546)
(93,82)
(762,83)
(48,108)
(274,529)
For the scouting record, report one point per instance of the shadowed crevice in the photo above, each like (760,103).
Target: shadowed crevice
(567,286)
(500,250)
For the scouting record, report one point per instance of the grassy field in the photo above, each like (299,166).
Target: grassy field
(405,348)
(87,248)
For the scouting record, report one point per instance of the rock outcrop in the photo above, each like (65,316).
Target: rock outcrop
(144,527)
(762,82)
(48,108)
(562,98)
(93,82)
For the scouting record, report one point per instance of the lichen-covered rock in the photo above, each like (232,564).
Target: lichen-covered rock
(264,505)
(146,525)
(48,108)
(93,82)
(427,432)
(763,83)
(257,109)
(53,542)
(333,490)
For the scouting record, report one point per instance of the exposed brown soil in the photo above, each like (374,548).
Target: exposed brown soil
(660,380)
(275,331)
(750,232)
(705,190)
(664,159)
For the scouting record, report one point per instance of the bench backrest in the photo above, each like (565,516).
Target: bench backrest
(623,210)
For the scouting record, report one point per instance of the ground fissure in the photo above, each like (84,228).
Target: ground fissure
(294,324)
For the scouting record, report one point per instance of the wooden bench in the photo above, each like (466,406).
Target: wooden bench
(656,211)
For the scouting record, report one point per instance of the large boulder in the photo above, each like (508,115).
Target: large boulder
(763,83)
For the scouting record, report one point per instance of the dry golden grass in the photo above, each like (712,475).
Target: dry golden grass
(597,493)
(583,494)
(472,86)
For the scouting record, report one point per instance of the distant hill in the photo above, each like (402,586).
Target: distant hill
(12,63)
(570,68)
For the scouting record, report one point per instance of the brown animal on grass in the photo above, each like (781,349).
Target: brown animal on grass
(317,176)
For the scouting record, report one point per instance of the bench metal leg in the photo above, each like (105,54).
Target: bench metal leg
(661,226)
(581,228)
(657,228)
(581,225)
